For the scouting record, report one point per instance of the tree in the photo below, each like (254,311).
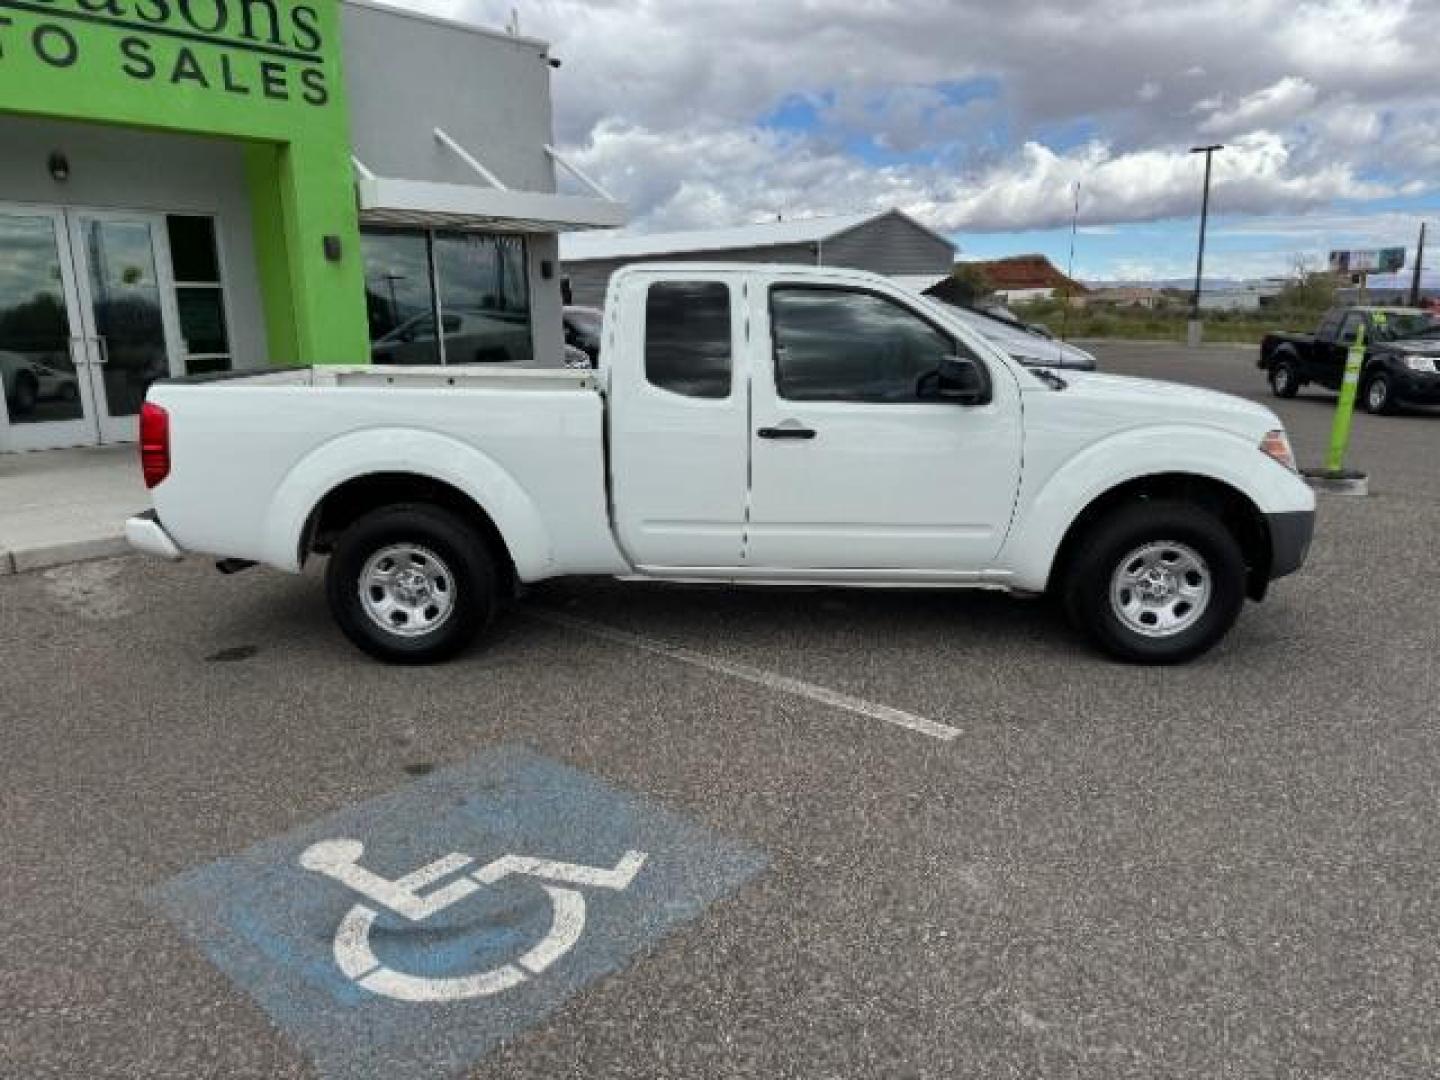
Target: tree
(969,284)
(1308,289)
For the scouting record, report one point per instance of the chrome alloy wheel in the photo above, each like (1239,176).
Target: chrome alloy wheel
(407,590)
(1160,589)
(1378,394)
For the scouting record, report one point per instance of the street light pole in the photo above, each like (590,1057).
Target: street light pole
(1208,151)
(1415,275)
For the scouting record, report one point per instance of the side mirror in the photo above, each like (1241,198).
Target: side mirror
(960,379)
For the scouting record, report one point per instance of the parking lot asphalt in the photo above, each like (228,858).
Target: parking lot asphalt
(1225,869)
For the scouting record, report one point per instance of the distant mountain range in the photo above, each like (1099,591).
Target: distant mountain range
(1185,284)
(1429,279)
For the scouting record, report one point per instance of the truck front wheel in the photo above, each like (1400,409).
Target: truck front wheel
(410,584)
(1155,582)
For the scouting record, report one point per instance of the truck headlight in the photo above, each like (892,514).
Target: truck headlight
(1276,445)
(1430,365)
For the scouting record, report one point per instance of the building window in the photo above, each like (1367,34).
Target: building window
(199,292)
(398,298)
(473,286)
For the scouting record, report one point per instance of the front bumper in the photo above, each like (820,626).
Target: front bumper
(1290,537)
(1415,389)
(144,533)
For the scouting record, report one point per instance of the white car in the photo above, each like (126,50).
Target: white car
(27,382)
(750,425)
(471,337)
(1029,345)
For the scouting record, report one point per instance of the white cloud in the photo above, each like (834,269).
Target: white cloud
(1277,104)
(664,100)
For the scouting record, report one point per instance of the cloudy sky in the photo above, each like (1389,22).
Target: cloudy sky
(979,116)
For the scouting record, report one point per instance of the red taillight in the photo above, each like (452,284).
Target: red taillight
(154,443)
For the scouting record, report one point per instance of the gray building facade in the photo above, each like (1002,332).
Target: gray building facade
(888,242)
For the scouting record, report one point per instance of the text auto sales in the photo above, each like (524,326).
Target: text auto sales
(266,49)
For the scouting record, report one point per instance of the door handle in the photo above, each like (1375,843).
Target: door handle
(786,433)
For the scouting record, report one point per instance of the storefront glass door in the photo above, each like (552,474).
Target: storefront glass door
(126,305)
(43,381)
(87,323)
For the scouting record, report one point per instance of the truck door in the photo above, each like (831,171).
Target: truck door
(1336,354)
(854,465)
(1315,361)
(678,420)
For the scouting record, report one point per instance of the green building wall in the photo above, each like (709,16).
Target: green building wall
(265,72)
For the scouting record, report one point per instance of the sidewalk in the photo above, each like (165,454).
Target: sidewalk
(64,506)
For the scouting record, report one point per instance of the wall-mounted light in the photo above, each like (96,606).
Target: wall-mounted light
(547,269)
(332,248)
(59,166)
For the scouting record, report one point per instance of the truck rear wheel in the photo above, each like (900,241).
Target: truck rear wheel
(1155,582)
(1285,378)
(411,584)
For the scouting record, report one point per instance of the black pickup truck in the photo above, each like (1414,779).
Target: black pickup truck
(1402,356)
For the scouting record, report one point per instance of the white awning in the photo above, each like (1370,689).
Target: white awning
(493,208)
(386,201)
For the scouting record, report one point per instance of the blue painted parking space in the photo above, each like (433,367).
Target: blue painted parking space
(405,936)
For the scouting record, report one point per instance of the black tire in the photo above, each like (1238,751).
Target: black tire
(460,559)
(1381,403)
(27,394)
(1285,378)
(1087,578)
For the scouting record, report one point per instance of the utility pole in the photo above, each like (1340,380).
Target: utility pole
(1415,274)
(1070,269)
(1194,331)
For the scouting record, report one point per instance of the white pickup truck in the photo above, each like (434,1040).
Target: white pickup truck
(751,425)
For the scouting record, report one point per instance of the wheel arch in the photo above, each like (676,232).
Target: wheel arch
(1233,507)
(364,470)
(345,504)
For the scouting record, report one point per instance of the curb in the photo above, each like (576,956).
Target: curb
(48,556)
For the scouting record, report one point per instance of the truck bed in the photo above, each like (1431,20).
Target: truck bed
(254,453)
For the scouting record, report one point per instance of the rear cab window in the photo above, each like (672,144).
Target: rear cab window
(688,343)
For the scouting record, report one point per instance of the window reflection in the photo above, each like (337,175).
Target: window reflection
(687,338)
(481,285)
(484,298)
(37,375)
(842,345)
(125,296)
(398,300)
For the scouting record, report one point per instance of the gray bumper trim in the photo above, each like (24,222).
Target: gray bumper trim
(1290,536)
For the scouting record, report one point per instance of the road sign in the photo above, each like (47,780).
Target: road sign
(407,935)
(1367,261)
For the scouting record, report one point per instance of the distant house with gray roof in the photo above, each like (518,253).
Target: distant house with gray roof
(888,242)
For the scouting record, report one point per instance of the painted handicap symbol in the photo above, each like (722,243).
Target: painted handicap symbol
(408,898)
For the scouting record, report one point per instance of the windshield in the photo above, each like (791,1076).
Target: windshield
(1392,325)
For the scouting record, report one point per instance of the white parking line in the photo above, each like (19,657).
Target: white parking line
(759,676)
